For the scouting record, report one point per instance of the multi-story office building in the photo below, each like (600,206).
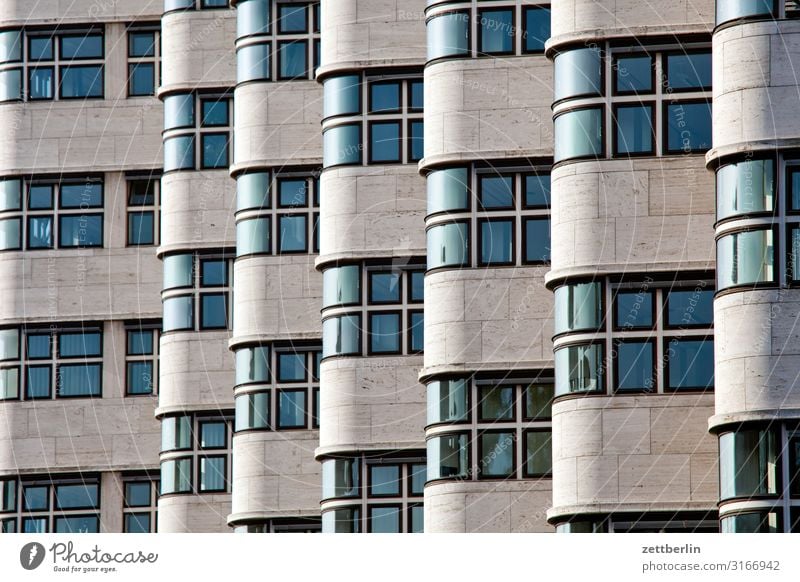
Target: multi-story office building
(372,266)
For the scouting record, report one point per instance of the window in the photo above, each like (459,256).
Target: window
(745,188)
(734,9)
(144,61)
(635,132)
(139,508)
(634,74)
(392,121)
(578,73)
(749,463)
(448,245)
(686,71)
(196,292)
(745,258)
(294,388)
(388,492)
(578,307)
(55,214)
(448,190)
(390,310)
(42,504)
(635,369)
(691,364)
(203,142)
(579,369)
(536,29)
(289,50)
(141,360)
(201,443)
(752,522)
(71,61)
(447,401)
(170,5)
(496,31)
(689,127)
(579,134)
(143,210)
(448,35)
(448,456)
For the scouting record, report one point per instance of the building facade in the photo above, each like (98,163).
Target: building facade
(375,266)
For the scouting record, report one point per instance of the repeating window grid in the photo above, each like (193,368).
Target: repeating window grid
(201,130)
(518,29)
(135,510)
(786,217)
(275,211)
(310,386)
(54,213)
(56,63)
(154,59)
(13,519)
(659,98)
(197,5)
(517,215)
(198,452)
(52,363)
(402,502)
(152,358)
(199,291)
(660,334)
(141,210)
(275,38)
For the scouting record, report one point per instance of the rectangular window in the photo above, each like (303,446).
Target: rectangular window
(214,153)
(293,59)
(213,311)
(688,127)
(690,364)
(496,403)
(497,242)
(384,142)
(635,366)
(538,453)
(292,367)
(384,519)
(384,287)
(688,71)
(496,32)
(537,240)
(291,409)
(496,454)
(212,474)
(634,310)
(537,29)
(635,134)
(384,480)
(293,235)
(416,325)
(384,333)
(496,192)
(537,191)
(634,74)
(538,402)
(690,308)
(144,61)
(384,97)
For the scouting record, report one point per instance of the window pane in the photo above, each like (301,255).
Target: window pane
(9,383)
(384,480)
(748,463)
(252,61)
(384,519)
(34,525)
(141,44)
(417,323)
(341,521)
(447,401)
(794,467)
(497,242)
(140,343)
(538,453)
(179,111)
(384,333)
(253,190)
(176,433)
(448,456)
(417,140)
(38,346)
(252,365)
(417,96)
(579,134)
(213,311)
(293,234)
(292,409)
(691,307)
(212,435)
(178,271)
(40,196)
(141,78)
(213,272)
(537,191)
(689,71)
(635,366)
(537,29)
(10,198)
(634,309)
(745,258)
(11,85)
(448,35)
(80,231)
(578,72)
(34,498)
(10,235)
(342,95)
(417,292)
(749,187)
(89,46)
(537,240)
(252,236)
(137,494)
(447,190)
(215,151)
(292,18)
(40,48)
(384,287)
(178,313)
(214,112)
(691,364)
(497,31)
(752,522)
(179,153)
(384,142)
(341,335)
(76,496)
(634,74)
(40,83)
(81,81)
(419,474)
(794,183)
(79,379)
(497,191)
(293,59)
(176,476)
(252,411)
(37,382)
(137,523)
(340,478)
(417,519)
(634,129)
(579,369)
(384,97)
(341,285)
(141,227)
(140,377)
(497,454)
(447,245)
(292,367)
(10,46)
(212,474)
(730,10)
(497,403)
(8,495)
(539,401)
(293,192)
(9,344)
(76,345)
(341,145)
(689,127)
(77,524)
